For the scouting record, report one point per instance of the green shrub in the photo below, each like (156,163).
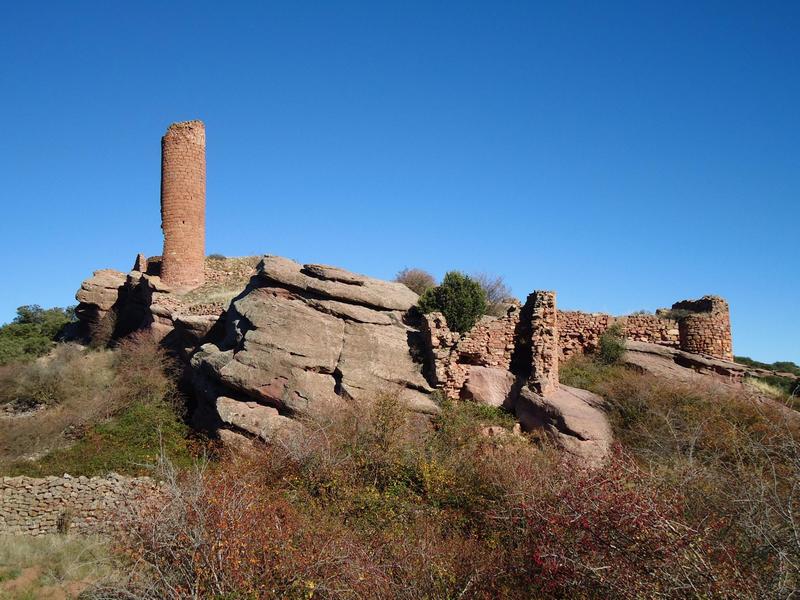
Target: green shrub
(217,257)
(417,280)
(612,345)
(32,332)
(128,443)
(459,298)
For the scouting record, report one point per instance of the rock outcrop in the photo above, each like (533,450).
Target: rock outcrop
(573,418)
(302,338)
(489,385)
(97,297)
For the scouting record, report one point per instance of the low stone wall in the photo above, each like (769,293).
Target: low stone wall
(40,506)
(580,332)
(651,328)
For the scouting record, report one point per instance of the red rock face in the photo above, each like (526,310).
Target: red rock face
(183,204)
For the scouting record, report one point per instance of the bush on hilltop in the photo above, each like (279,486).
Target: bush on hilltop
(459,298)
(417,280)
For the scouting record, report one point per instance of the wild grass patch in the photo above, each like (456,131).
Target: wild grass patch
(55,566)
(103,410)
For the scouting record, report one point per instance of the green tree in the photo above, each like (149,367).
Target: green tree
(459,298)
(32,332)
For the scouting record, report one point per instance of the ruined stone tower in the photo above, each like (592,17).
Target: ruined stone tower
(707,328)
(183,204)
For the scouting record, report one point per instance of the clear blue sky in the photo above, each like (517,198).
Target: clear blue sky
(627,155)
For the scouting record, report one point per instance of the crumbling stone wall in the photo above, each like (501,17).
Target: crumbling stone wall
(580,332)
(707,329)
(651,328)
(183,204)
(490,343)
(40,506)
(544,342)
(699,326)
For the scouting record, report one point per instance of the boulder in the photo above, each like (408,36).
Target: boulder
(102,289)
(488,385)
(260,421)
(302,339)
(102,292)
(574,419)
(337,284)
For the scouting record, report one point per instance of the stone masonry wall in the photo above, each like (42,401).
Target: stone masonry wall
(490,343)
(544,342)
(651,328)
(39,506)
(580,332)
(183,204)
(699,326)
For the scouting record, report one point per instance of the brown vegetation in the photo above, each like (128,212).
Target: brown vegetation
(497,293)
(89,411)
(733,457)
(417,280)
(363,508)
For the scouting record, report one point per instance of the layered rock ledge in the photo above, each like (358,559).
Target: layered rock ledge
(305,338)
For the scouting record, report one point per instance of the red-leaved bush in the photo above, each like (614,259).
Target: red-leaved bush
(617,533)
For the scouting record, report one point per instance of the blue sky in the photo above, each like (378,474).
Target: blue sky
(627,155)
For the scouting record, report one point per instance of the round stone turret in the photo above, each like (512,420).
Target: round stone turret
(707,327)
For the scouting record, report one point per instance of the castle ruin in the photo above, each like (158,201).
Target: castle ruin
(315,334)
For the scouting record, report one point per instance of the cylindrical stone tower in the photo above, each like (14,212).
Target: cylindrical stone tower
(183,204)
(707,331)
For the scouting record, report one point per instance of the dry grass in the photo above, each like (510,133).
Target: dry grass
(767,389)
(95,410)
(365,508)
(69,388)
(225,279)
(54,566)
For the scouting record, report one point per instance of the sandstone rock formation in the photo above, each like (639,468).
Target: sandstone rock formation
(574,419)
(489,385)
(97,297)
(302,338)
